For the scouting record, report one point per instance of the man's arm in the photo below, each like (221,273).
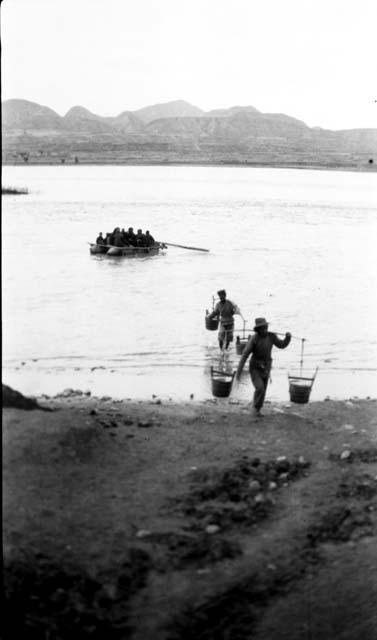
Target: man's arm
(245,354)
(235,309)
(281,344)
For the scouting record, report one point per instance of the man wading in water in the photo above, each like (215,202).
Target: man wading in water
(225,310)
(260,346)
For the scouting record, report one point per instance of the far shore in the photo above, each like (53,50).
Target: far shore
(370,168)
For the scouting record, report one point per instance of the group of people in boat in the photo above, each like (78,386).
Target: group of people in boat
(122,238)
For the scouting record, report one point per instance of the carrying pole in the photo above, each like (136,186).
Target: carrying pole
(280,333)
(302,355)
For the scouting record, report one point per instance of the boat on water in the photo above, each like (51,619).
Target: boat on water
(126,252)
(14,191)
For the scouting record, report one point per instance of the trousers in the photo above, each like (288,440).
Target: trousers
(260,382)
(226,333)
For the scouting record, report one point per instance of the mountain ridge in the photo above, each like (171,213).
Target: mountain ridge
(178,131)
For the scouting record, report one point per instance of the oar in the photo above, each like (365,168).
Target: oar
(182,246)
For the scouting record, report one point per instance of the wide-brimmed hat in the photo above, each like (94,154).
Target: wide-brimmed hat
(260,322)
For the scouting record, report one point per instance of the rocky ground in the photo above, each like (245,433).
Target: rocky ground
(158,521)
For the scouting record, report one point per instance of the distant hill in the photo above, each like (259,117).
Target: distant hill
(224,113)
(22,114)
(175,109)
(237,127)
(81,120)
(128,122)
(178,132)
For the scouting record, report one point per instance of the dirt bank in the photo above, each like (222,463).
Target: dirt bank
(159,521)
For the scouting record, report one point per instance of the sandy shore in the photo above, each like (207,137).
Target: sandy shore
(154,520)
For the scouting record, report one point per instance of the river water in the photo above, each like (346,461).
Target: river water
(295,246)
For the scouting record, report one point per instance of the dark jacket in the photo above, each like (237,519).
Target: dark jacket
(131,238)
(225,312)
(118,240)
(260,347)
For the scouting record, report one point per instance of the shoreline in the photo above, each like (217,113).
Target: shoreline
(179,385)
(226,404)
(241,165)
(159,520)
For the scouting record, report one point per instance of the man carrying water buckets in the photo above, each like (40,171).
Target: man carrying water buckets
(225,310)
(260,346)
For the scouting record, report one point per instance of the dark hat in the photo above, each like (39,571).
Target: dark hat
(260,322)
(222,291)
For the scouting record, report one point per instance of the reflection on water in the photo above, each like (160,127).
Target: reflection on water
(297,247)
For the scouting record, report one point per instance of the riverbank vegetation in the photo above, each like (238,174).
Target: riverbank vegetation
(13,191)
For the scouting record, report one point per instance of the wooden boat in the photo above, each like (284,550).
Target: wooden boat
(98,248)
(126,252)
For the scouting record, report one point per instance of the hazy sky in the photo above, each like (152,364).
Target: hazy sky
(312,59)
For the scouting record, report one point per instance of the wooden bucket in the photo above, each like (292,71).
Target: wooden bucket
(221,383)
(211,323)
(242,341)
(299,393)
(241,344)
(300,388)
